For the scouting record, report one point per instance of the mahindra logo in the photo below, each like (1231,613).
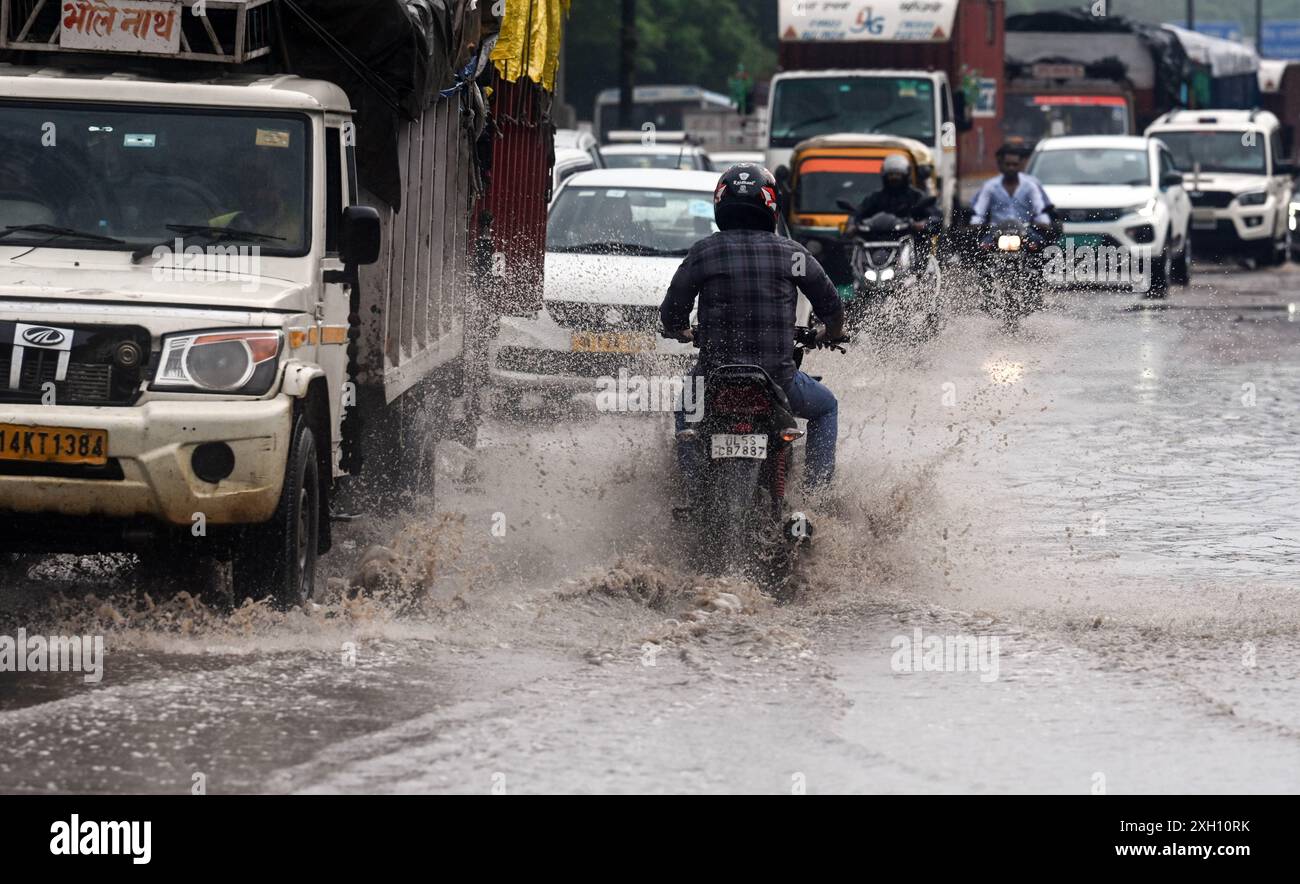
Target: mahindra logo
(43,337)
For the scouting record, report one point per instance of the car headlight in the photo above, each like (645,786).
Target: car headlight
(1145,209)
(1254,198)
(242,361)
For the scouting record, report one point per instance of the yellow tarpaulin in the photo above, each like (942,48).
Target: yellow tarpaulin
(529,44)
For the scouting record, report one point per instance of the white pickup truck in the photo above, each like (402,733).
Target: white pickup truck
(186,356)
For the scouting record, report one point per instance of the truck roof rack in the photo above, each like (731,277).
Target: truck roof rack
(225,31)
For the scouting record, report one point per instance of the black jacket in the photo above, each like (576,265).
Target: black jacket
(901,202)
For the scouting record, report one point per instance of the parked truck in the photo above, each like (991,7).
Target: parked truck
(930,71)
(1069,72)
(236,240)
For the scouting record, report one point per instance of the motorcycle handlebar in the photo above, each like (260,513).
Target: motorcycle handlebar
(805,336)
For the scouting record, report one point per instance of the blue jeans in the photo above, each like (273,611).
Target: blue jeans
(808,399)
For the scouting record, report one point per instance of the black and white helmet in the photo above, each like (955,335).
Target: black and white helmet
(745,199)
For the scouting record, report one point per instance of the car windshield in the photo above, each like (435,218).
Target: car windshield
(822,182)
(1216,151)
(808,106)
(1091,166)
(125,173)
(1035,117)
(620,220)
(675,160)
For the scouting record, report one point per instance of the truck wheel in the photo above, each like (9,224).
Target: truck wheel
(278,559)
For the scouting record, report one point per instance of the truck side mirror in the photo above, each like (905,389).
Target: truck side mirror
(846,206)
(360,235)
(1171,179)
(962,111)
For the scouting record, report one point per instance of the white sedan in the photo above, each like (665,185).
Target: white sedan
(614,240)
(1126,217)
(660,155)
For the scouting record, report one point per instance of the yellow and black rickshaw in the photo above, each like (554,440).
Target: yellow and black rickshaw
(829,169)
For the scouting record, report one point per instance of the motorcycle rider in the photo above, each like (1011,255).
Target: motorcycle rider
(748,279)
(897,197)
(1011,196)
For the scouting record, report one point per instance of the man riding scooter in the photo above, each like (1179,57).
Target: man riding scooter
(899,198)
(1014,216)
(1012,196)
(748,279)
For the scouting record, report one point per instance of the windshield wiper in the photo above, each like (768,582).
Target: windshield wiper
(204,231)
(894,119)
(55,232)
(790,130)
(634,248)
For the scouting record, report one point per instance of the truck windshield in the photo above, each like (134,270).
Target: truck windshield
(804,107)
(604,220)
(127,172)
(1091,166)
(1216,151)
(1034,117)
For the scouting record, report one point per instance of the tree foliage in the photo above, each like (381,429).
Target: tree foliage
(679,42)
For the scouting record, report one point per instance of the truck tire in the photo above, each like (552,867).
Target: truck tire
(278,559)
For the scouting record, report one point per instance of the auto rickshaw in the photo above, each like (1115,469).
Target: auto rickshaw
(829,170)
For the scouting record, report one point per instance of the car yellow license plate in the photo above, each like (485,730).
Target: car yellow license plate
(612,342)
(53,444)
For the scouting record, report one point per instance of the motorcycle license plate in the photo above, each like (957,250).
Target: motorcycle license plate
(725,445)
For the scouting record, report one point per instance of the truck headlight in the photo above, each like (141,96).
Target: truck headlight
(242,362)
(1145,209)
(1254,198)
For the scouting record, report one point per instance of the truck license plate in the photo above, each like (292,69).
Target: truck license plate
(753,446)
(53,444)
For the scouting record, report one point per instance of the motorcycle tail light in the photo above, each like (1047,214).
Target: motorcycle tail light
(746,399)
(791,435)
(1009,242)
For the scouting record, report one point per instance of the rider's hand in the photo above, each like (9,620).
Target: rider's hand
(685,336)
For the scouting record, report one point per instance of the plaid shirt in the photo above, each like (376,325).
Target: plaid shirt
(748,283)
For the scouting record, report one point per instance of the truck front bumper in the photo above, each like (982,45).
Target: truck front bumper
(149,472)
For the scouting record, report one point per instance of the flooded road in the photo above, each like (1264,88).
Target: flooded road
(1103,504)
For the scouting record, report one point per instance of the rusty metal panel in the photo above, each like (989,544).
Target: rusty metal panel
(980,39)
(522,156)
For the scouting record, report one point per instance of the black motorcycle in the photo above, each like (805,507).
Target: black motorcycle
(1012,271)
(897,281)
(739,517)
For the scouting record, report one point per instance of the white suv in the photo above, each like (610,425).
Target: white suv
(1118,196)
(1238,179)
